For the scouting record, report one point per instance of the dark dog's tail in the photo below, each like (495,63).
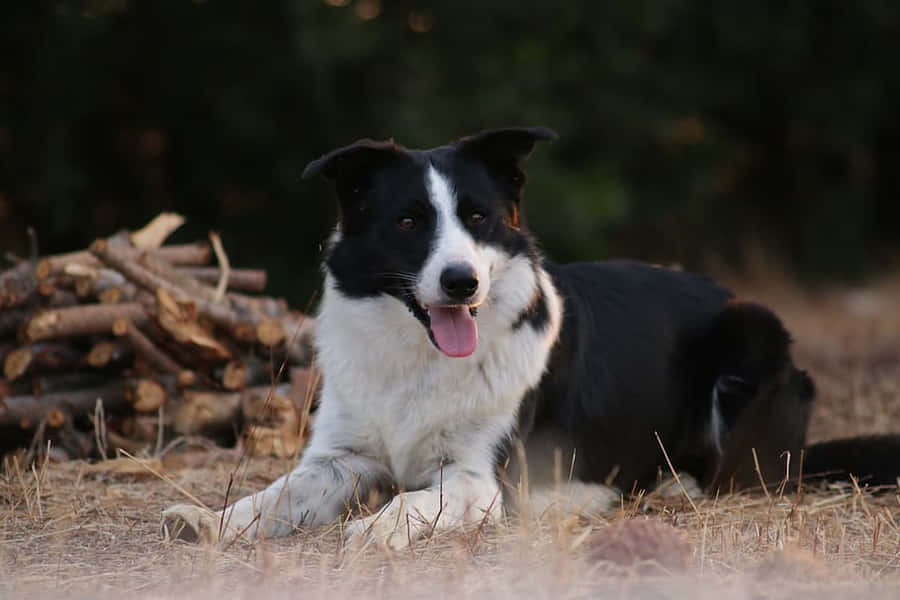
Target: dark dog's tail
(760,402)
(872,460)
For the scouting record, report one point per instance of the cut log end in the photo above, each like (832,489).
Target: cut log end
(279,442)
(269,332)
(56,418)
(186,378)
(120,326)
(216,414)
(16,363)
(112,295)
(235,375)
(42,325)
(148,395)
(101,354)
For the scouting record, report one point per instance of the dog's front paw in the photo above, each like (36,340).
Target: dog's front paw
(385,533)
(190,523)
(395,526)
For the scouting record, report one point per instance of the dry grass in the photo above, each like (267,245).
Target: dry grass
(66,532)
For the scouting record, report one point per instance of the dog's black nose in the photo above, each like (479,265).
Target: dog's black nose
(459,281)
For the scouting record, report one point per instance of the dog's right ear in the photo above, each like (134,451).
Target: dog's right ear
(504,152)
(355,162)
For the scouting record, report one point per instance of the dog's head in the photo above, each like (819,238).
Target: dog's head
(428,226)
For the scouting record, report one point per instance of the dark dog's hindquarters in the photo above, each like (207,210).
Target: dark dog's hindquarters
(648,350)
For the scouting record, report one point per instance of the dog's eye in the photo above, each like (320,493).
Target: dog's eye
(476,218)
(406,222)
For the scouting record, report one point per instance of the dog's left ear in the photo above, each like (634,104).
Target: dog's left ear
(355,161)
(504,151)
(350,168)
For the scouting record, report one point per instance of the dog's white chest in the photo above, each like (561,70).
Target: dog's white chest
(399,398)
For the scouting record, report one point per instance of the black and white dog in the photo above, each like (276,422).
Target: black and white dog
(445,339)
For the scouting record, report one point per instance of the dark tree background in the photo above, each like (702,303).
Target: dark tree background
(690,128)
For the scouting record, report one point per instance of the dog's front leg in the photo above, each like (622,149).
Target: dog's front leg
(316,492)
(460,497)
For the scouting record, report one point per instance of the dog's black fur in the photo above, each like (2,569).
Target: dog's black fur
(643,350)
(647,351)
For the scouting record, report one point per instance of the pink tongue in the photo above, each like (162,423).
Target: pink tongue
(454,329)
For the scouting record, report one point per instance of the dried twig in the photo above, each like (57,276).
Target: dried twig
(224,265)
(675,474)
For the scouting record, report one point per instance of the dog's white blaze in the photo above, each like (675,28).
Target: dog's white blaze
(452,244)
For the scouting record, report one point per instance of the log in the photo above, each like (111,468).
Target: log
(118,294)
(56,418)
(248,371)
(18,285)
(207,413)
(280,442)
(300,330)
(159,278)
(107,352)
(246,280)
(265,306)
(235,375)
(268,405)
(178,319)
(81,320)
(148,395)
(11,319)
(153,354)
(141,428)
(274,426)
(154,233)
(270,332)
(26,411)
(92,281)
(198,253)
(62,382)
(186,379)
(59,297)
(41,357)
(177,279)
(242,317)
(16,363)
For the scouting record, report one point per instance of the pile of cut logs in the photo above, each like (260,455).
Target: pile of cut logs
(132,344)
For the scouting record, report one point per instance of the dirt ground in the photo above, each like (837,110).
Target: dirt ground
(69,532)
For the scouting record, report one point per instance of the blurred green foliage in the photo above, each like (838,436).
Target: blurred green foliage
(690,128)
